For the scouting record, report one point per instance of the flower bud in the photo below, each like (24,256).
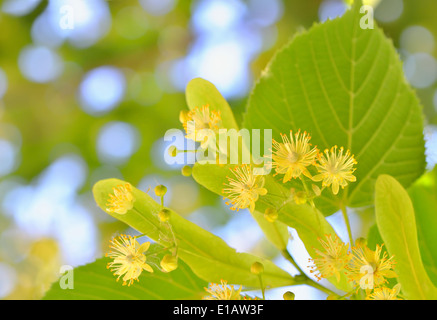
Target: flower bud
(164,215)
(289,295)
(300,197)
(271,214)
(160,190)
(169,263)
(257,268)
(186,171)
(172,151)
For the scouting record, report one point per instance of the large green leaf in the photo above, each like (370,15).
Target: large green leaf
(94,282)
(424,197)
(397,225)
(308,222)
(208,256)
(344,85)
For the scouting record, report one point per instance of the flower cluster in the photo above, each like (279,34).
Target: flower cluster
(336,168)
(365,268)
(332,260)
(369,268)
(244,189)
(122,200)
(294,155)
(385,293)
(128,256)
(222,291)
(292,158)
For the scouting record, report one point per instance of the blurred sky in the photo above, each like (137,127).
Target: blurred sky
(88,88)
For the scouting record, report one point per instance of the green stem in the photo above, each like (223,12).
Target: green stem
(263,290)
(306,279)
(290,259)
(277,195)
(348,226)
(318,286)
(160,251)
(311,201)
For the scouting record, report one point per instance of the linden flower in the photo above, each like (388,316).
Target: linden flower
(293,156)
(122,200)
(198,120)
(222,292)
(245,189)
(336,169)
(129,258)
(385,293)
(368,268)
(332,260)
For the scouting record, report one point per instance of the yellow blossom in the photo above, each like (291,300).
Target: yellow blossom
(385,293)
(336,169)
(128,258)
(293,155)
(122,200)
(332,260)
(245,189)
(369,269)
(222,292)
(198,123)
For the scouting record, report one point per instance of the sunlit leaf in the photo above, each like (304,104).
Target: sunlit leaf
(424,197)
(397,225)
(94,282)
(344,85)
(207,255)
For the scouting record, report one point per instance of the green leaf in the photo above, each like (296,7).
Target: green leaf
(397,225)
(201,92)
(374,238)
(94,282)
(208,256)
(424,197)
(344,85)
(309,223)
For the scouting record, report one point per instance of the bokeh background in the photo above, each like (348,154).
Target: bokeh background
(93,102)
